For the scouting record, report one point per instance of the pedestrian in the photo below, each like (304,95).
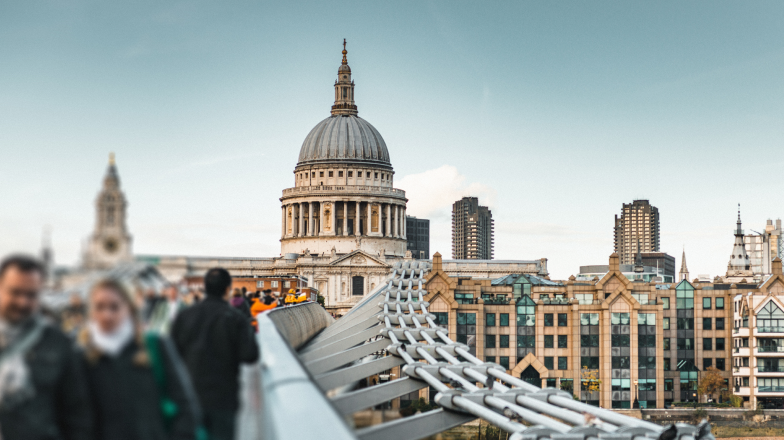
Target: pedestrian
(138,385)
(151,300)
(239,303)
(43,392)
(166,310)
(268,302)
(213,339)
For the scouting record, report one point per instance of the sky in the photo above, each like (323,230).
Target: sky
(553,113)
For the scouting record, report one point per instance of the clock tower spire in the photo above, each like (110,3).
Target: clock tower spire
(110,242)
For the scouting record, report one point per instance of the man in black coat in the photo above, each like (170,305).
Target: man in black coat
(51,402)
(213,338)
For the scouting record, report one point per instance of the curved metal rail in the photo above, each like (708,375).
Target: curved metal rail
(392,327)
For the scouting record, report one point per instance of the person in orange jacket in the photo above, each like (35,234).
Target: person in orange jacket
(267,302)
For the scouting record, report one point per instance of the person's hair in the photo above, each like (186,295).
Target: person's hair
(216,281)
(116,286)
(236,292)
(268,292)
(244,290)
(24,263)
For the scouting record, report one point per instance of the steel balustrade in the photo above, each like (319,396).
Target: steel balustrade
(392,327)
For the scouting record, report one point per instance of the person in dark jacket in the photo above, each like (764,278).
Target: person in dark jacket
(121,373)
(50,402)
(213,339)
(238,302)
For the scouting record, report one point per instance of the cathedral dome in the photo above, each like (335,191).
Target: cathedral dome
(344,138)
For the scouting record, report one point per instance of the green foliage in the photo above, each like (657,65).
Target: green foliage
(320,300)
(735,401)
(420,405)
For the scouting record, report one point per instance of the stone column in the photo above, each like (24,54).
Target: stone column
(404,222)
(301,209)
(294,220)
(283,222)
(345,218)
(369,221)
(396,228)
(321,219)
(388,223)
(311,222)
(334,218)
(394,221)
(356,219)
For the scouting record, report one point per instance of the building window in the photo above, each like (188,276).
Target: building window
(719,303)
(376,175)
(259,284)
(464,298)
(274,284)
(706,303)
(442,319)
(321,173)
(685,323)
(489,341)
(359,173)
(490,319)
(707,324)
(358,286)
(340,173)
(562,341)
(666,343)
(720,344)
(563,363)
(666,323)
(504,319)
(548,341)
(719,323)
(490,359)
(668,384)
(666,302)
(666,364)
(330,174)
(548,362)
(548,319)
(350,174)
(706,362)
(562,320)
(707,344)
(504,362)
(313,174)
(503,341)
(589,362)
(720,364)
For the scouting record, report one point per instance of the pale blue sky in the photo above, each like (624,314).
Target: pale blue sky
(555,113)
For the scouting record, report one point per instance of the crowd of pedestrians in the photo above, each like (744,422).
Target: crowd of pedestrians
(121,366)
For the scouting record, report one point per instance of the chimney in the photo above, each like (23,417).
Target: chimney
(614,264)
(776,266)
(437,265)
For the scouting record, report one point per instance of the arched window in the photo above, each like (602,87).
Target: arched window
(770,318)
(358,285)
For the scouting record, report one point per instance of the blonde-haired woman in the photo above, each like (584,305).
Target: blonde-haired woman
(138,387)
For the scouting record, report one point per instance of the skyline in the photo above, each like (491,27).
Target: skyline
(553,115)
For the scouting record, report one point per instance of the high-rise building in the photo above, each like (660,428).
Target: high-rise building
(418,237)
(638,226)
(472,230)
(763,247)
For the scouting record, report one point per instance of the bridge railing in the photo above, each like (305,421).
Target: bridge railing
(315,390)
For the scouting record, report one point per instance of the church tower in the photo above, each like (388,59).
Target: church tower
(110,242)
(739,265)
(684,273)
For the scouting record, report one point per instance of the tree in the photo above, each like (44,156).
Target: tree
(712,382)
(590,381)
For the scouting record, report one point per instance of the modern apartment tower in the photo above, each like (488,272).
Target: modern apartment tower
(638,226)
(472,230)
(418,236)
